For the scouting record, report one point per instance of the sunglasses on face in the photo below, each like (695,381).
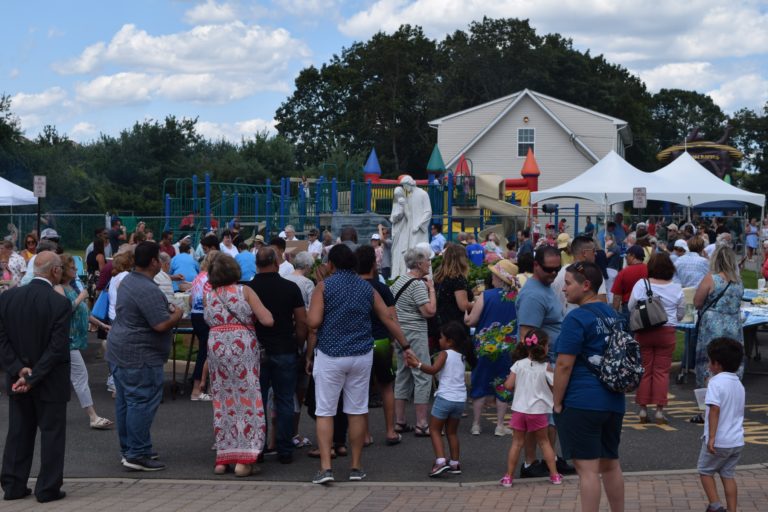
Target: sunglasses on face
(31,242)
(551,270)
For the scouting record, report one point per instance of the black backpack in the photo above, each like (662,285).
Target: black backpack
(620,368)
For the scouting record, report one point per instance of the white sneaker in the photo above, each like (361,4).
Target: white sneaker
(475,430)
(502,431)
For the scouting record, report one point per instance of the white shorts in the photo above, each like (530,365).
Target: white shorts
(333,375)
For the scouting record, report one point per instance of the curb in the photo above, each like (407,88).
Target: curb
(426,483)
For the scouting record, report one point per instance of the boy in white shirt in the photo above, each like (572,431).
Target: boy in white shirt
(723,437)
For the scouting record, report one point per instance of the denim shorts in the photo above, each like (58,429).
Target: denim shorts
(722,462)
(443,409)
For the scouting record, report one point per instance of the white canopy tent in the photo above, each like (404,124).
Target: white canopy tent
(685,181)
(14,195)
(608,181)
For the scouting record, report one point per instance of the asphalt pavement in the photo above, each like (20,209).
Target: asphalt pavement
(182,434)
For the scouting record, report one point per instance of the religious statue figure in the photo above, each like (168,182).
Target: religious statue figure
(411,215)
(399,231)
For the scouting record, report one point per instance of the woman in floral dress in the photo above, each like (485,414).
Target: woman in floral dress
(494,317)
(233,362)
(719,295)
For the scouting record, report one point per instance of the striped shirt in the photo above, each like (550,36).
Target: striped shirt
(409,302)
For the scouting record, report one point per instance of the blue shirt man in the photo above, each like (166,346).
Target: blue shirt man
(185,264)
(438,240)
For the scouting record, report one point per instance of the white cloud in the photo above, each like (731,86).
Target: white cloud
(132,88)
(82,131)
(209,63)
(627,30)
(55,32)
(229,47)
(750,91)
(680,75)
(235,131)
(25,103)
(210,12)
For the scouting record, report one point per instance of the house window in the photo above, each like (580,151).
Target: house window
(526,138)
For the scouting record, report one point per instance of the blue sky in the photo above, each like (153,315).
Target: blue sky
(91,67)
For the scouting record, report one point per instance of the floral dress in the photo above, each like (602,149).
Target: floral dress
(78,324)
(233,362)
(722,319)
(495,338)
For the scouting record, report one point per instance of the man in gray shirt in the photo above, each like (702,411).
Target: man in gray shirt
(139,343)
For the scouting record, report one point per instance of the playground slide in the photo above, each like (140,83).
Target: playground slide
(488,188)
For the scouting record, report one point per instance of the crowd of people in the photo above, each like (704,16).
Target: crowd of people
(325,327)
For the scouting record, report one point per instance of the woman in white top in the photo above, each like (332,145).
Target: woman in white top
(657,344)
(451,394)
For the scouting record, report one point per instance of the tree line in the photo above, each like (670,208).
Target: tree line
(379,93)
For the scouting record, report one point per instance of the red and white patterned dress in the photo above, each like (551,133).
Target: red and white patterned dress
(233,363)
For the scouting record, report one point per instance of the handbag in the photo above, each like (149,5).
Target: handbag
(101,306)
(647,313)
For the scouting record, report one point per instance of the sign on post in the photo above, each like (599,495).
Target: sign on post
(639,199)
(39,186)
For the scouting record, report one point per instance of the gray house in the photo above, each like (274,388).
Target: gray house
(495,137)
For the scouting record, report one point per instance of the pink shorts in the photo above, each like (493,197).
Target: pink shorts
(528,422)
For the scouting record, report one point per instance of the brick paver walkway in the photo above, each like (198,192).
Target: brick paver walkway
(672,491)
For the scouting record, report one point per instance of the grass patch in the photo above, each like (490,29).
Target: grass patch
(181,342)
(749,278)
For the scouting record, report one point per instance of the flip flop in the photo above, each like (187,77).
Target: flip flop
(102,424)
(391,441)
(402,428)
(421,431)
(368,443)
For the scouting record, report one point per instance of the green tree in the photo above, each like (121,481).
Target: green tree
(751,137)
(675,113)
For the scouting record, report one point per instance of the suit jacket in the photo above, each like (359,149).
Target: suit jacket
(34,332)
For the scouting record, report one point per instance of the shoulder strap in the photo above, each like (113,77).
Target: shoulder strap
(406,285)
(648,290)
(714,301)
(248,327)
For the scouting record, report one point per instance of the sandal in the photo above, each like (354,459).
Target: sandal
(301,442)
(102,424)
(243,470)
(341,450)
(202,397)
(421,431)
(368,443)
(698,419)
(391,441)
(402,428)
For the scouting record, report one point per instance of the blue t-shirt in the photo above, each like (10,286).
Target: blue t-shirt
(583,332)
(476,254)
(247,262)
(438,243)
(184,263)
(538,306)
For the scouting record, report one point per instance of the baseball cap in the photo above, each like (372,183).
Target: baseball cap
(636,251)
(49,234)
(375,236)
(681,244)
(563,239)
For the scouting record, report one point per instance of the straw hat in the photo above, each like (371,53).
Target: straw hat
(505,270)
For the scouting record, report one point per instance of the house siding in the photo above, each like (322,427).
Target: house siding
(455,133)
(598,133)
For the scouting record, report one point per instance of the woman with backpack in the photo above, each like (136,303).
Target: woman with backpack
(588,415)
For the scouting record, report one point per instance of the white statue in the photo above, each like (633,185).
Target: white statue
(399,231)
(411,215)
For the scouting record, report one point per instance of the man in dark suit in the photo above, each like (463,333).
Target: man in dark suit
(34,352)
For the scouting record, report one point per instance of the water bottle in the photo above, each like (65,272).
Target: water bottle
(760,284)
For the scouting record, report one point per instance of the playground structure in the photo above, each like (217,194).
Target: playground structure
(460,200)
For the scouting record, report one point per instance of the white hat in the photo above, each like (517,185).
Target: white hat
(681,244)
(375,236)
(50,234)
